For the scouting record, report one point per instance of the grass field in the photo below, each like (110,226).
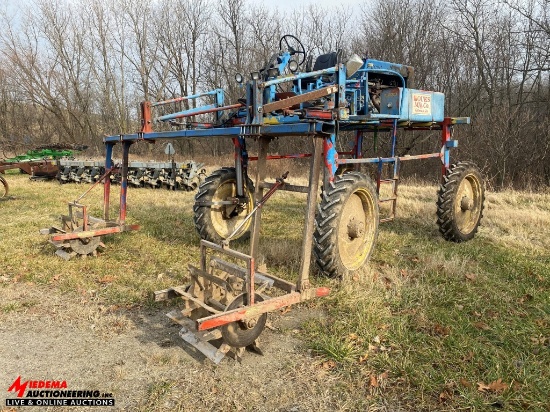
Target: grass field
(429,325)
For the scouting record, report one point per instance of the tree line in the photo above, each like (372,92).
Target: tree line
(74,71)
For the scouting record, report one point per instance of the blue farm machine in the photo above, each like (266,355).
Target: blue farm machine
(228,296)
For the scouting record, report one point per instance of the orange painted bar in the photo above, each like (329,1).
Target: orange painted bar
(262,307)
(93,233)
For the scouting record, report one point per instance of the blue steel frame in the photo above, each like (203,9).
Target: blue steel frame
(341,103)
(344,108)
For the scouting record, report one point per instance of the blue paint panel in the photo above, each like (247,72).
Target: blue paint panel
(390,101)
(418,105)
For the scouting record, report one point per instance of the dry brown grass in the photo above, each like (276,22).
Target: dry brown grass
(418,329)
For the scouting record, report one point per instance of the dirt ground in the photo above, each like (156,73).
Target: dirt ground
(138,356)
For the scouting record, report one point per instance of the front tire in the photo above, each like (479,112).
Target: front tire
(346,225)
(216,222)
(460,202)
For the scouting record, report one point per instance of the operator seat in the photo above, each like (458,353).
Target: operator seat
(323,61)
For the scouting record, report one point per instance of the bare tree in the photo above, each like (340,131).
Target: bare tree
(74,71)
(44,55)
(107,69)
(134,39)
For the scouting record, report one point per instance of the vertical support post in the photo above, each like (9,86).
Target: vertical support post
(124,181)
(258,194)
(84,218)
(203,256)
(251,269)
(219,103)
(396,168)
(146,117)
(379,170)
(239,164)
(107,183)
(257,102)
(71,217)
(395,180)
(445,139)
(393,137)
(358,149)
(343,111)
(309,227)
(331,157)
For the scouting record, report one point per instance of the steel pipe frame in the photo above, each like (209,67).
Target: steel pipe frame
(324,148)
(238,134)
(325,132)
(303,290)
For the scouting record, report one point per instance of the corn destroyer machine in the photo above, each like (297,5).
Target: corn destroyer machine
(228,297)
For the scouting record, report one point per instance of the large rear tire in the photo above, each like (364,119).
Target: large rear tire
(460,202)
(216,222)
(347,225)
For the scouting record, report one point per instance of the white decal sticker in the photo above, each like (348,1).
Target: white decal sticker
(422,103)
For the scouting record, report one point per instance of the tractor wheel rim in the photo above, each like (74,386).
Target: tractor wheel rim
(356,230)
(223,225)
(468,203)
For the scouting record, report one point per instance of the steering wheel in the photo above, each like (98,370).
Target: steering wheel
(289,40)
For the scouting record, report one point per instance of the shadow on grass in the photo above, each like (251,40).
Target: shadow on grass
(155,327)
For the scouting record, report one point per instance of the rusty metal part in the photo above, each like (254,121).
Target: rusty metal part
(217,303)
(200,340)
(80,234)
(39,168)
(268,305)
(263,145)
(42,169)
(291,101)
(244,332)
(4,190)
(309,227)
(85,246)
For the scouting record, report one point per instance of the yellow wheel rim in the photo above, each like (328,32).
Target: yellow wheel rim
(467,204)
(225,218)
(357,229)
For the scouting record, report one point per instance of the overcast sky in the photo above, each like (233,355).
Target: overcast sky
(282,5)
(278,5)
